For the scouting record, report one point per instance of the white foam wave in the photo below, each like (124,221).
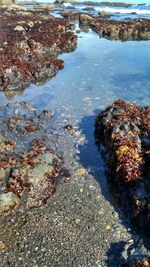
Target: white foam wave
(123,10)
(67,5)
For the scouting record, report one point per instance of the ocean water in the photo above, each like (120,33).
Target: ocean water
(142,11)
(97,73)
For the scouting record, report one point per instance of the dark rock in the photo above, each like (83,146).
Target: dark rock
(69,127)
(121,128)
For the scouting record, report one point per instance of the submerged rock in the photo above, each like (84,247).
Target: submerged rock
(29,167)
(135,255)
(8,202)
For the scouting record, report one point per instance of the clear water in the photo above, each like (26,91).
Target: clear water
(96,74)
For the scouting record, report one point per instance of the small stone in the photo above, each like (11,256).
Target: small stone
(8,201)
(131,241)
(77,134)
(108,227)
(81,139)
(101,211)
(80,171)
(81,190)
(145,263)
(77,221)
(30,24)
(67,218)
(19,28)
(69,127)
(2,245)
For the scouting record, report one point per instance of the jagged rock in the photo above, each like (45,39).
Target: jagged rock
(122,128)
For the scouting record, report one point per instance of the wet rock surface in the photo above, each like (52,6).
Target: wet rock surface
(29,45)
(104,26)
(123,133)
(29,163)
(137,29)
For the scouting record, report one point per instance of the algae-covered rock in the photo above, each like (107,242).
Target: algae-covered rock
(8,202)
(31,166)
(31,46)
(124,130)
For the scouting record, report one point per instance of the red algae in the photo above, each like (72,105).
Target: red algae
(29,45)
(122,129)
(30,167)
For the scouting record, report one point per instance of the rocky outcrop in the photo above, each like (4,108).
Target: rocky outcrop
(124,130)
(138,29)
(30,43)
(91,3)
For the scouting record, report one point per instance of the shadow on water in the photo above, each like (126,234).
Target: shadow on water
(114,258)
(89,155)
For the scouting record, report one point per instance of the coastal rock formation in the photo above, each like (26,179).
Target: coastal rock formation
(137,29)
(6,2)
(30,165)
(30,43)
(124,131)
(91,3)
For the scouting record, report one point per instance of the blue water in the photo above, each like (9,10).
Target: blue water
(97,73)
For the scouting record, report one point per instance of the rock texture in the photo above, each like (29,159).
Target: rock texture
(30,43)
(137,29)
(124,129)
(30,165)
(123,135)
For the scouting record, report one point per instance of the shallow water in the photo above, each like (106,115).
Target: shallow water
(96,74)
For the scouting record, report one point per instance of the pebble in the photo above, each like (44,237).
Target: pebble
(80,171)
(101,211)
(2,245)
(77,134)
(77,221)
(108,227)
(69,127)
